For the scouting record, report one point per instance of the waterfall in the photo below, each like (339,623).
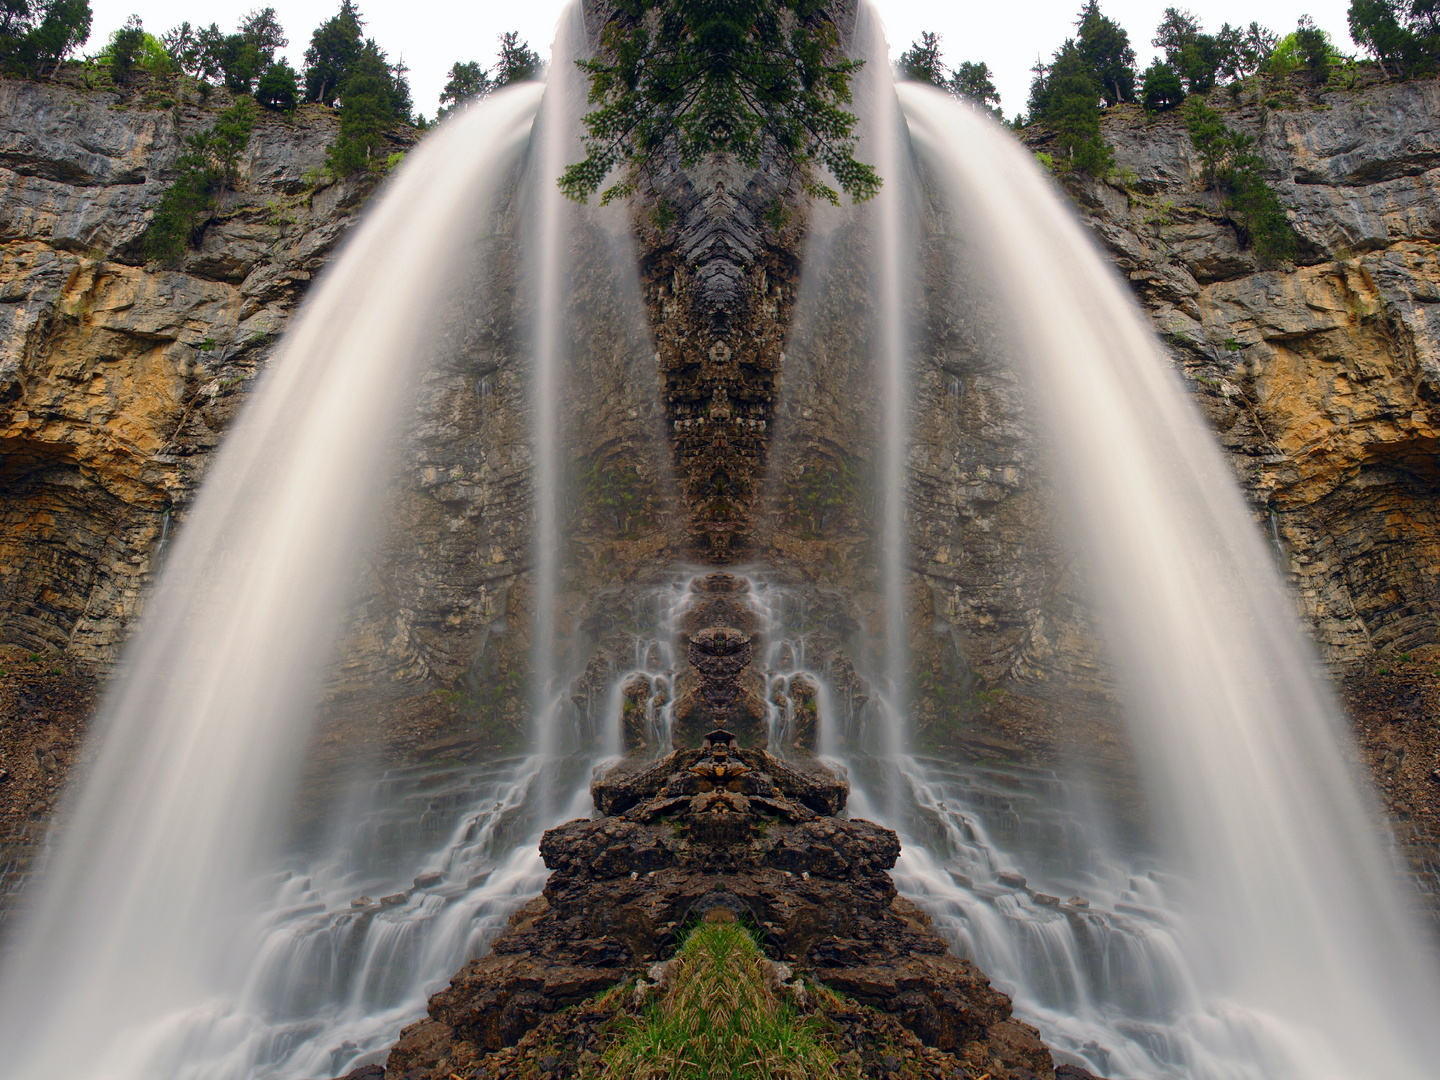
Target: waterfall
(557,126)
(143,925)
(1270,938)
(891,272)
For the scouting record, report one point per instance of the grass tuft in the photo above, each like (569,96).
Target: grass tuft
(720,1020)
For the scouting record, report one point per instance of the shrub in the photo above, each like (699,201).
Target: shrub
(1232,166)
(206,168)
(1161,88)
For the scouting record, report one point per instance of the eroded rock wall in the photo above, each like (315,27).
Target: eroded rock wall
(1322,379)
(117,379)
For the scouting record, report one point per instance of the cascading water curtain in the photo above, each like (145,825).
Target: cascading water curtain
(142,929)
(1299,957)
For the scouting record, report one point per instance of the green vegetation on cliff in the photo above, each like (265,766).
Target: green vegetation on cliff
(1402,35)
(206,169)
(695,78)
(1232,166)
(35,35)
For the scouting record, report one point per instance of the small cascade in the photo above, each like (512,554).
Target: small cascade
(1275,540)
(643,698)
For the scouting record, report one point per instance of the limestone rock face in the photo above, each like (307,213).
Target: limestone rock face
(1322,379)
(1319,378)
(117,379)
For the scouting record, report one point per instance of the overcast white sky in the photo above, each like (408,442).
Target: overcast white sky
(433,34)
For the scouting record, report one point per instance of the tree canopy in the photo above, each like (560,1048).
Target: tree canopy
(516,62)
(750,78)
(36,35)
(970,81)
(334,49)
(1105,48)
(1402,35)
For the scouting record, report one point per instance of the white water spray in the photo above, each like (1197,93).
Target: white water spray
(1294,954)
(557,126)
(891,273)
(144,915)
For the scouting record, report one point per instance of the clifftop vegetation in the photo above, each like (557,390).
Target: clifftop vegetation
(746,78)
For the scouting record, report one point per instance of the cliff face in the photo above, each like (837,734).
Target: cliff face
(117,379)
(1322,379)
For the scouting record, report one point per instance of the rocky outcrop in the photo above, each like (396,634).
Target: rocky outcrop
(1322,379)
(117,380)
(719,827)
(720,267)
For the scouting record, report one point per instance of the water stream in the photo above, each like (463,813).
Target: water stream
(1288,950)
(145,922)
(1263,939)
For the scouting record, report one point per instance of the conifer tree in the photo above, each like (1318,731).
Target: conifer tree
(972,82)
(468,81)
(1105,47)
(36,35)
(1161,88)
(335,48)
(695,77)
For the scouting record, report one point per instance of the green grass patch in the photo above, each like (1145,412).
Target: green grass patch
(719,1020)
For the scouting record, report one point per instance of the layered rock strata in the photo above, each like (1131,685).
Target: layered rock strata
(719,827)
(117,379)
(720,265)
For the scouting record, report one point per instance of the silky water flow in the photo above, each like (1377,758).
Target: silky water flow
(145,922)
(1267,938)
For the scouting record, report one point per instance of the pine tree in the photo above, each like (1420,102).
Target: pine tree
(1105,47)
(279,87)
(36,35)
(921,62)
(1192,54)
(517,61)
(1161,88)
(335,48)
(374,98)
(974,83)
(1065,97)
(746,77)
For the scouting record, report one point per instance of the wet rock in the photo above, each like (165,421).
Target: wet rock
(1010,879)
(689,844)
(394,899)
(429,880)
(365,1072)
